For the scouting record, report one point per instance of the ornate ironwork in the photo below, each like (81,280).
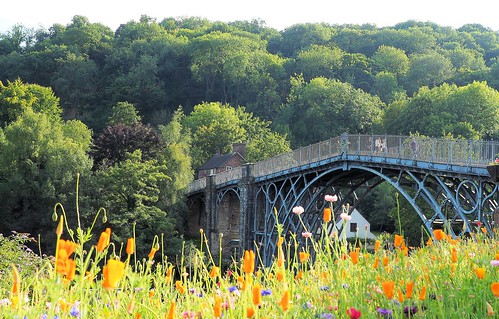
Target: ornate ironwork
(445,181)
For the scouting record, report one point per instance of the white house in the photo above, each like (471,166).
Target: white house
(358,226)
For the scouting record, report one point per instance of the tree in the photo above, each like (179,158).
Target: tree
(39,160)
(115,141)
(324,108)
(215,127)
(177,157)
(262,142)
(387,88)
(318,61)
(16,98)
(124,113)
(469,111)
(391,60)
(429,69)
(130,191)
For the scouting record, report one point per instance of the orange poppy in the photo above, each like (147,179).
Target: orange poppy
(152,252)
(454,255)
(257,294)
(217,307)
(480,273)
(409,289)
(422,294)
(439,234)
(280,257)
(104,240)
(354,255)
(377,243)
(16,281)
(130,246)
(113,271)
(171,311)
(249,261)
(327,214)
(180,287)
(388,288)
(304,256)
(284,303)
(215,271)
(495,289)
(398,240)
(250,312)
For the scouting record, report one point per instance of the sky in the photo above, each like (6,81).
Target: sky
(278,14)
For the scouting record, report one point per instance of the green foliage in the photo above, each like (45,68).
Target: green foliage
(124,113)
(214,128)
(177,157)
(324,108)
(17,98)
(130,191)
(469,112)
(13,251)
(39,159)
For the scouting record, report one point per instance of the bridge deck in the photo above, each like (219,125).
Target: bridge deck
(445,155)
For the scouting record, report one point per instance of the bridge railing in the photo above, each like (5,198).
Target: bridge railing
(432,150)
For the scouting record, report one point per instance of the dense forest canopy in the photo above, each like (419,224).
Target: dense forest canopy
(151,101)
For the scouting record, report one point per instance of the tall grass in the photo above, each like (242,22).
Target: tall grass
(323,277)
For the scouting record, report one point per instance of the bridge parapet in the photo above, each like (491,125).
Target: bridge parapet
(431,150)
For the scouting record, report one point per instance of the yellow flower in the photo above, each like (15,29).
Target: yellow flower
(304,256)
(113,271)
(480,273)
(215,271)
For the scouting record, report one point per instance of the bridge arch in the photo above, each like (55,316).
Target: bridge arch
(446,180)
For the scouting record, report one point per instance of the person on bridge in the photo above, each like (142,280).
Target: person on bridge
(414,147)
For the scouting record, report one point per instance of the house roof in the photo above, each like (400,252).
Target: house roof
(219,161)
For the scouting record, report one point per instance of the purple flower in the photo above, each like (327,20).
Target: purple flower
(74,312)
(233,289)
(410,311)
(328,316)
(266,292)
(387,313)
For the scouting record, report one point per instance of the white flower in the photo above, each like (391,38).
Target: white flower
(298,210)
(345,216)
(330,198)
(306,234)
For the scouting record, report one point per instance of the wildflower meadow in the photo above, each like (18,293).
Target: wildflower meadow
(311,276)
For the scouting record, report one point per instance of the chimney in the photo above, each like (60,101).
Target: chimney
(239,148)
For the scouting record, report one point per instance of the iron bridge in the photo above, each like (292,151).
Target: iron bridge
(445,181)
